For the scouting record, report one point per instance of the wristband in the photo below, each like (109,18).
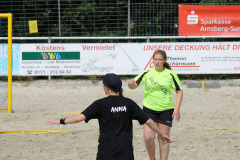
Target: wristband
(62,121)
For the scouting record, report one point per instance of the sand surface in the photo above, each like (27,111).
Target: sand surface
(209,128)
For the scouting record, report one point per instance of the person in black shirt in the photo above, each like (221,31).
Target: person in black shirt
(115,114)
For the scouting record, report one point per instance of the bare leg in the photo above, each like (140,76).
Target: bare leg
(164,147)
(149,137)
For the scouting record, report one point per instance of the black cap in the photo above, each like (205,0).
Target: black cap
(112,81)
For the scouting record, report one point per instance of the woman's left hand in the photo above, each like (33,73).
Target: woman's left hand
(176,115)
(53,121)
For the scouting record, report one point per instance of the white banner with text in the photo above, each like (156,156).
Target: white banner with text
(127,58)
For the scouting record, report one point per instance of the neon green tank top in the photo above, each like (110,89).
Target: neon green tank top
(158,85)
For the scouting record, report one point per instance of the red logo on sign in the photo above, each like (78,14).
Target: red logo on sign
(150,64)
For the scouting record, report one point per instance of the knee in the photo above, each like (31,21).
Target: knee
(163,143)
(149,138)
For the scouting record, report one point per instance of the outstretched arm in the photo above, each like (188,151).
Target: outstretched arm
(68,120)
(151,124)
(132,84)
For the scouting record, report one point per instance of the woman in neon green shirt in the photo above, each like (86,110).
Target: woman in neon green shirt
(157,100)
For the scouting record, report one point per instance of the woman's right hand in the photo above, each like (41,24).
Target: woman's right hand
(165,139)
(132,84)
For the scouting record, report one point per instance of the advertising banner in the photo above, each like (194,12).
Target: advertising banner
(79,59)
(197,58)
(209,20)
(4,59)
(49,59)
(126,58)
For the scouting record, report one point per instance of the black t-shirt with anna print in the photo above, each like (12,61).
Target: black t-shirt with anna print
(115,115)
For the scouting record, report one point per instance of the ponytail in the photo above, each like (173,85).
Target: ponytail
(166,65)
(121,92)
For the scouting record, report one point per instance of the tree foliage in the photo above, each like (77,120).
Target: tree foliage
(98,17)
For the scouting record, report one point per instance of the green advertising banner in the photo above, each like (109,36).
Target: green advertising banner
(50,55)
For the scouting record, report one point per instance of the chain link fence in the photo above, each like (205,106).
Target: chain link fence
(90,18)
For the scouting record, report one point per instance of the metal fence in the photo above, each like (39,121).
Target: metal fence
(90,18)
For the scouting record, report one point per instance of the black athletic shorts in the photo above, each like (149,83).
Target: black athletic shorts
(163,117)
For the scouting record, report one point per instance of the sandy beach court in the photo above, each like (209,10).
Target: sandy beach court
(209,128)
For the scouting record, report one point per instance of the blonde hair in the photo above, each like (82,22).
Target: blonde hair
(163,53)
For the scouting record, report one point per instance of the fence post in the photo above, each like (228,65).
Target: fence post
(129,22)
(59,19)
(49,41)
(148,39)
